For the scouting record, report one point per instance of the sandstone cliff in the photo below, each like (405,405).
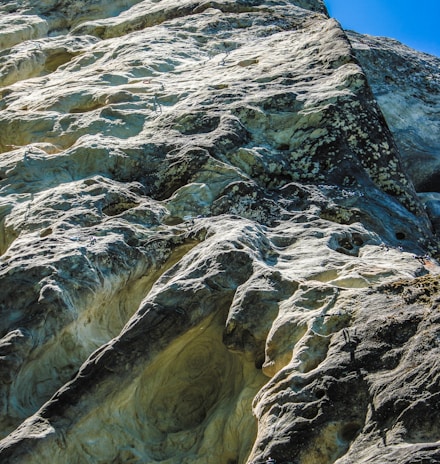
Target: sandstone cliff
(212,249)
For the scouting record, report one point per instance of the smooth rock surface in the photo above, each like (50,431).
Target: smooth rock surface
(406,84)
(211,251)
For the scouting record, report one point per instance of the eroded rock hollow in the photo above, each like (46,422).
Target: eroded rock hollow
(213,248)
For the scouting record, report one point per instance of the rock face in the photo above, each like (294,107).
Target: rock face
(211,251)
(406,84)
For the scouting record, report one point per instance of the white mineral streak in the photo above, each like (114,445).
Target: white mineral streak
(209,250)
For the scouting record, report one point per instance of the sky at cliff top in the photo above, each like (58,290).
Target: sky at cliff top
(415,23)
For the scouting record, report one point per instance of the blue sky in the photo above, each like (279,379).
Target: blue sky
(414,22)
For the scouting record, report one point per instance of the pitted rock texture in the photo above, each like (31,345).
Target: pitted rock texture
(211,251)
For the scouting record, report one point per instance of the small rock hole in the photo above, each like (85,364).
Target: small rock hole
(357,240)
(400,236)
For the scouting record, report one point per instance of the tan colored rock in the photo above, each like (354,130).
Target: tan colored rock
(16,29)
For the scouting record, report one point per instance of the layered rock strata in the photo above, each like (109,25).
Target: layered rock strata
(211,251)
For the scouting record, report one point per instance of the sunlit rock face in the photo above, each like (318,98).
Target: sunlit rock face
(211,251)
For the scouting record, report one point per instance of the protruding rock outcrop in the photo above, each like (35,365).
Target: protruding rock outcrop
(211,251)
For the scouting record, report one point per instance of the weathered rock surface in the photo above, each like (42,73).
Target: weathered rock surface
(406,84)
(211,251)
